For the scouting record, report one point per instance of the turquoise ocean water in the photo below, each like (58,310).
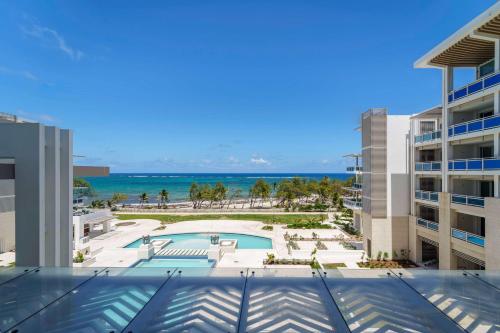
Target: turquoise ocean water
(177,184)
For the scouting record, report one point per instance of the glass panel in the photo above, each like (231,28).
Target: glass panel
(459,199)
(433,226)
(492,122)
(486,68)
(474,239)
(21,297)
(9,273)
(436,166)
(460,129)
(458,234)
(422,222)
(434,196)
(474,165)
(473,201)
(195,301)
(489,277)
(475,87)
(288,301)
(460,93)
(475,126)
(105,303)
(379,301)
(459,165)
(492,80)
(474,306)
(492,164)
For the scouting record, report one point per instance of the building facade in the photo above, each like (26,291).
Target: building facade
(455,218)
(386,179)
(36,182)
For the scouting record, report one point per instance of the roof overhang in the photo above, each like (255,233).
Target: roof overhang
(470,46)
(434,112)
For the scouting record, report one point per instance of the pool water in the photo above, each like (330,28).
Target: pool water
(202,241)
(175,263)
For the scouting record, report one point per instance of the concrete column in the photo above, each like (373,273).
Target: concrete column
(497,55)
(52,202)
(492,233)
(66,198)
(413,239)
(24,143)
(444,231)
(447,86)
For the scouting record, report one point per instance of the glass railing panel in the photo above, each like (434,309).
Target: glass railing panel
(475,126)
(474,165)
(434,196)
(471,304)
(194,301)
(475,87)
(366,297)
(9,273)
(288,300)
(436,166)
(459,234)
(459,165)
(460,129)
(491,164)
(475,201)
(433,225)
(460,93)
(106,303)
(422,222)
(492,80)
(21,297)
(475,239)
(491,122)
(459,199)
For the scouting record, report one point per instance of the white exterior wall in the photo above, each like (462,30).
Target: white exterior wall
(42,222)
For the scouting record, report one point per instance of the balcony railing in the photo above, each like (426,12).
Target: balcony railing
(428,137)
(475,125)
(354,169)
(475,87)
(428,166)
(357,186)
(474,164)
(467,237)
(467,200)
(427,195)
(353,203)
(428,224)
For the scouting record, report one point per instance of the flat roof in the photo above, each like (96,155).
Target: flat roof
(431,112)
(247,300)
(470,46)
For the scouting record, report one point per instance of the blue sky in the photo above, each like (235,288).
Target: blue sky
(219,86)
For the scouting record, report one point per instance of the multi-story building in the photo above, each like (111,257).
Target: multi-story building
(385,173)
(455,210)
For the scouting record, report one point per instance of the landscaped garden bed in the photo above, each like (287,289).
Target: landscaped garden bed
(334,265)
(387,264)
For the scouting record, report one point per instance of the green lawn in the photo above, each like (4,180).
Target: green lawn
(334,265)
(265,218)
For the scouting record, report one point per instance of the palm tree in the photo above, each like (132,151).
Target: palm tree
(163,197)
(143,198)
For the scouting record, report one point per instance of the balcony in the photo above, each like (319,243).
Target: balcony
(357,186)
(427,195)
(467,200)
(355,169)
(427,137)
(467,237)
(474,164)
(353,203)
(428,166)
(474,126)
(474,87)
(428,224)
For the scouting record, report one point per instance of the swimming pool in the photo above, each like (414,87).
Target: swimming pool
(202,241)
(175,263)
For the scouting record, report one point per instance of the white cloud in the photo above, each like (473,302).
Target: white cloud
(259,161)
(24,74)
(233,159)
(51,36)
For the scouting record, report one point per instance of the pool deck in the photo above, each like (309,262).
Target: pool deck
(112,254)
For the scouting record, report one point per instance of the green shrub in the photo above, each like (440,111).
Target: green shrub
(268,227)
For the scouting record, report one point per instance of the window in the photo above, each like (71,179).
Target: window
(486,68)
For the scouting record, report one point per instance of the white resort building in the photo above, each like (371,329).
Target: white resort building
(446,174)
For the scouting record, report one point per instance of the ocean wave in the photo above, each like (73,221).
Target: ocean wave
(137,176)
(272,177)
